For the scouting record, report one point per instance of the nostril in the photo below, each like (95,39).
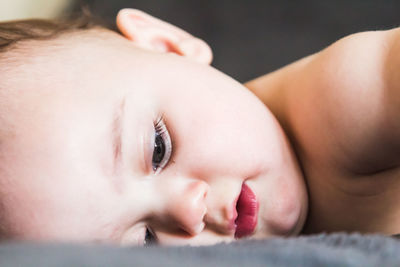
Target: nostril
(198,208)
(199,228)
(188,207)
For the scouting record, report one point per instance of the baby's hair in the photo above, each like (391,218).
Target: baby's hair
(14,32)
(19,38)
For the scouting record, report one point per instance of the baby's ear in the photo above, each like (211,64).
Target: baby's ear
(151,33)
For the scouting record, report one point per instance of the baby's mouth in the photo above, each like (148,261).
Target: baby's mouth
(247,210)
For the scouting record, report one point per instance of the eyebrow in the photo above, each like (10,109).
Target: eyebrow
(117,133)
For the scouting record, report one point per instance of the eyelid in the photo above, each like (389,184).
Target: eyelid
(147,143)
(135,235)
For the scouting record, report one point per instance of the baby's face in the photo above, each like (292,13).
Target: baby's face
(111,140)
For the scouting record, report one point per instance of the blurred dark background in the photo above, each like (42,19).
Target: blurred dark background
(251,38)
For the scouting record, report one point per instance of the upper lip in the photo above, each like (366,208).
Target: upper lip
(240,216)
(246,208)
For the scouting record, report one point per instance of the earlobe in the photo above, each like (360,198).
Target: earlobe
(153,34)
(196,49)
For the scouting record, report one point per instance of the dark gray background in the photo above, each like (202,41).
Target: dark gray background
(253,37)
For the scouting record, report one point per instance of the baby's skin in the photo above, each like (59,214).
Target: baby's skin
(135,139)
(340,109)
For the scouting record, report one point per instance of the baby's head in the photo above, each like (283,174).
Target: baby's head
(111,138)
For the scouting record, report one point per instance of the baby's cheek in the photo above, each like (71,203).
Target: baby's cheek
(23,219)
(49,214)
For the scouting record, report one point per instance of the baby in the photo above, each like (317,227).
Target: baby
(135,139)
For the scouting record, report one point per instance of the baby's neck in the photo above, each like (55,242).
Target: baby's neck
(274,91)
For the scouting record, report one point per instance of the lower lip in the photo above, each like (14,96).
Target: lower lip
(247,209)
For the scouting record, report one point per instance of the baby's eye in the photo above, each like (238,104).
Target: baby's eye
(162,146)
(150,238)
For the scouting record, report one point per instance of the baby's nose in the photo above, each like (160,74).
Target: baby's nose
(187,206)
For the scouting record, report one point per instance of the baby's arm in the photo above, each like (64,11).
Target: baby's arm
(342,104)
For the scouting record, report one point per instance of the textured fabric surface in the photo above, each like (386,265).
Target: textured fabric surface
(319,250)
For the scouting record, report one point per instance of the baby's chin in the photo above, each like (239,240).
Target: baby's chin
(282,199)
(284,220)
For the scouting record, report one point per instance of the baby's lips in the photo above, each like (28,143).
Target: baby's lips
(247,208)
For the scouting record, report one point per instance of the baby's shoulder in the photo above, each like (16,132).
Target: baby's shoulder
(344,104)
(343,112)
(339,108)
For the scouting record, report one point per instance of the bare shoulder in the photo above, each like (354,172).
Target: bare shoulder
(342,105)
(340,109)
(343,109)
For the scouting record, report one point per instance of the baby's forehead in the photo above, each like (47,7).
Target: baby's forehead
(68,58)
(38,69)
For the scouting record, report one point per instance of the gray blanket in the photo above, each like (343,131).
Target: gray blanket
(319,250)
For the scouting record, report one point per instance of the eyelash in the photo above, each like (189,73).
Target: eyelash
(159,124)
(161,131)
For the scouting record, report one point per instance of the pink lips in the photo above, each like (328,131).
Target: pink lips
(247,209)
